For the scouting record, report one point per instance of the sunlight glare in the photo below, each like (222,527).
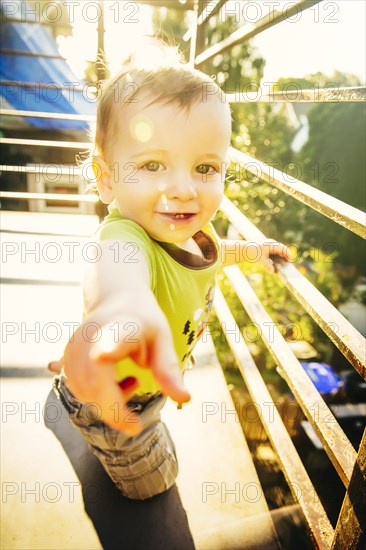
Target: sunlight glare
(164,200)
(141,128)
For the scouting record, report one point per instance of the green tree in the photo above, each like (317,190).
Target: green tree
(333,160)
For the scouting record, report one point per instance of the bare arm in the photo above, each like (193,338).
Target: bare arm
(120,292)
(238,251)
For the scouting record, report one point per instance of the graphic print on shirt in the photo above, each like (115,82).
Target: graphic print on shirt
(200,320)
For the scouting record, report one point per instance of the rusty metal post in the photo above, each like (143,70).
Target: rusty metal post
(200,41)
(101,70)
(350,530)
(197,37)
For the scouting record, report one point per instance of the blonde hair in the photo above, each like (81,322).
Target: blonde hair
(172,83)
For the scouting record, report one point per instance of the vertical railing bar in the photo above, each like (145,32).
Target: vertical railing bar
(208,11)
(351,525)
(192,51)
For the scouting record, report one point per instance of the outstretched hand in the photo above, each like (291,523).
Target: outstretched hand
(91,374)
(267,252)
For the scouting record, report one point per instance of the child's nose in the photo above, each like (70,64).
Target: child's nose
(182,188)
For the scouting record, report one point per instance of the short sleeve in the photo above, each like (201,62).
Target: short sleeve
(116,228)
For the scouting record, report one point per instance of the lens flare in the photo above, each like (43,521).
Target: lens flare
(141,128)
(164,201)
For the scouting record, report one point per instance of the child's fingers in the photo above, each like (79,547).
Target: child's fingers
(153,350)
(107,350)
(100,388)
(118,415)
(269,266)
(128,386)
(113,401)
(56,366)
(127,383)
(281,250)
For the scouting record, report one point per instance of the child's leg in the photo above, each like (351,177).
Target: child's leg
(141,466)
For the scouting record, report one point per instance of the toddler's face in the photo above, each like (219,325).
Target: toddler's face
(167,167)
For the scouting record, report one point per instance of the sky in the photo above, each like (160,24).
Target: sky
(329,36)
(125,23)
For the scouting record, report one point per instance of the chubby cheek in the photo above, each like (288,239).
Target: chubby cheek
(212,197)
(129,193)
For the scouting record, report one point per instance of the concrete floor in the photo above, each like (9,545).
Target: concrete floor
(55,495)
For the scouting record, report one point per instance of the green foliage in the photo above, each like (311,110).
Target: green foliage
(336,164)
(333,160)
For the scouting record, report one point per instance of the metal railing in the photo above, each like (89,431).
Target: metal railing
(252,29)
(45,169)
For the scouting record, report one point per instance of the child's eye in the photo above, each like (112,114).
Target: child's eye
(152,166)
(207,168)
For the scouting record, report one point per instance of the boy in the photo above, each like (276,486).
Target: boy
(161,143)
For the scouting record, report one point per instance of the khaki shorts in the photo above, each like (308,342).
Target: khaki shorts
(141,466)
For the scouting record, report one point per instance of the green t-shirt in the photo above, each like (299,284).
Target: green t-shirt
(182,283)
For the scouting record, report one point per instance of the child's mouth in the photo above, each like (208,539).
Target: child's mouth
(182,216)
(178,216)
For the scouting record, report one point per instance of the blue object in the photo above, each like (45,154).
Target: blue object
(323,377)
(36,38)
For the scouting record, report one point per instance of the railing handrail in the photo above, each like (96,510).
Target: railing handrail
(340,212)
(37,168)
(48,196)
(43,114)
(8,51)
(307,295)
(252,29)
(43,85)
(339,94)
(47,143)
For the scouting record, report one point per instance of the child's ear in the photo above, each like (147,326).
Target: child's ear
(103,179)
